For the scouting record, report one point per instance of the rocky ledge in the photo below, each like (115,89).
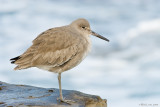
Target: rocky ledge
(28,96)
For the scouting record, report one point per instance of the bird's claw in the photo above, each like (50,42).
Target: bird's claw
(66,101)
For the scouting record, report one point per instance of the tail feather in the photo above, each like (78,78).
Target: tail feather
(25,59)
(19,67)
(22,62)
(13,60)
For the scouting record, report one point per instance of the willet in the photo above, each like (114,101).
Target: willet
(58,49)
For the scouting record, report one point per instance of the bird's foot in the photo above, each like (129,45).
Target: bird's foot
(66,101)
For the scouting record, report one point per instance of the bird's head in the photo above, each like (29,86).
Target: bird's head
(82,25)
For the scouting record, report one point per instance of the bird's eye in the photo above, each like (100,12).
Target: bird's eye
(83,27)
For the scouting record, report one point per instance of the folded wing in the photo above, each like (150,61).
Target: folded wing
(51,48)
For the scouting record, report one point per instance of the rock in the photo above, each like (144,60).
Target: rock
(28,96)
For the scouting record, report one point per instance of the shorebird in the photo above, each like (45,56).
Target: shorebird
(58,49)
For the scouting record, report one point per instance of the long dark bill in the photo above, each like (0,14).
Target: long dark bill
(99,36)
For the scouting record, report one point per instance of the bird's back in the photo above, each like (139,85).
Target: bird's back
(54,49)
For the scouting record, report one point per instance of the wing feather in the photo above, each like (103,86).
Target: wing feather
(54,49)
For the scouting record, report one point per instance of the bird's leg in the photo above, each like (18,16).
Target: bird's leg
(60,92)
(60,88)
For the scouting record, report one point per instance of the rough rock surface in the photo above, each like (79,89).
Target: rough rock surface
(28,96)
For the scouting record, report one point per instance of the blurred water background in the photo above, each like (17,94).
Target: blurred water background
(125,71)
